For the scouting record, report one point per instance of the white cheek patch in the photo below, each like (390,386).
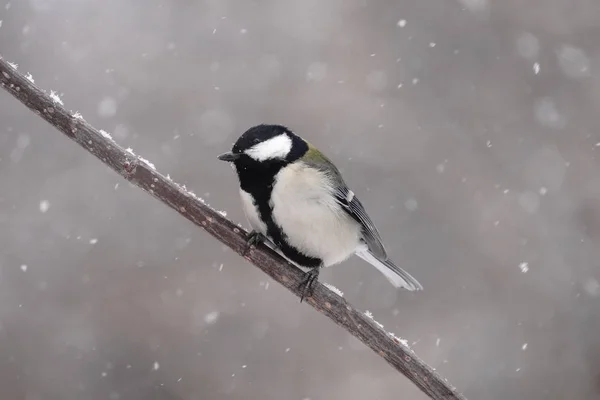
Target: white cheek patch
(276,147)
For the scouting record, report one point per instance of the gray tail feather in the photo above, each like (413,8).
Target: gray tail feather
(396,275)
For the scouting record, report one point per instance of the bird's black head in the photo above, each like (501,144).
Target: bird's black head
(266,145)
(260,153)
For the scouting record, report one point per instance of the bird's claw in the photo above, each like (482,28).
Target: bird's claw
(307,283)
(254,238)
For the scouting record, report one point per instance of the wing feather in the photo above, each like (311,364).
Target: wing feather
(350,203)
(347,200)
(375,253)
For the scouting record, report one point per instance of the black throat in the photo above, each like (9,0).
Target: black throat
(257,179)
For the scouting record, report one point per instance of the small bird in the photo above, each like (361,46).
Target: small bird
(296,198)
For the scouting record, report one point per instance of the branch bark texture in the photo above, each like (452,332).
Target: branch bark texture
(142,173)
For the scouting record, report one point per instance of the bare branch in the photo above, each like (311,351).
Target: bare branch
(143,174)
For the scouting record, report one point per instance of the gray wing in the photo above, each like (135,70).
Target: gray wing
(350,203)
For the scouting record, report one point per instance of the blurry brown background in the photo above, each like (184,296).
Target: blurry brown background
(469,131)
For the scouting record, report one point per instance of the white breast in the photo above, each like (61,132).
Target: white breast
(252,213)
(307,213)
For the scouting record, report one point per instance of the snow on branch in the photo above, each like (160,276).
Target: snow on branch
(143,174)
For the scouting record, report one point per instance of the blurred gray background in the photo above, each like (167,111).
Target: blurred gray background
(468,128)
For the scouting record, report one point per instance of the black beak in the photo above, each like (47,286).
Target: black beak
(229,157)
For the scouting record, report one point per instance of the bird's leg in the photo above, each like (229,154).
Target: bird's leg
(306,286)
(253,239)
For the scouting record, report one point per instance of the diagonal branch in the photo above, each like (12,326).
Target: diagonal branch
(143,174)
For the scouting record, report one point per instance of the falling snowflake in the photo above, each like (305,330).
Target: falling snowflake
(44,206)
(211,317)
(107,107)
(524,267)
